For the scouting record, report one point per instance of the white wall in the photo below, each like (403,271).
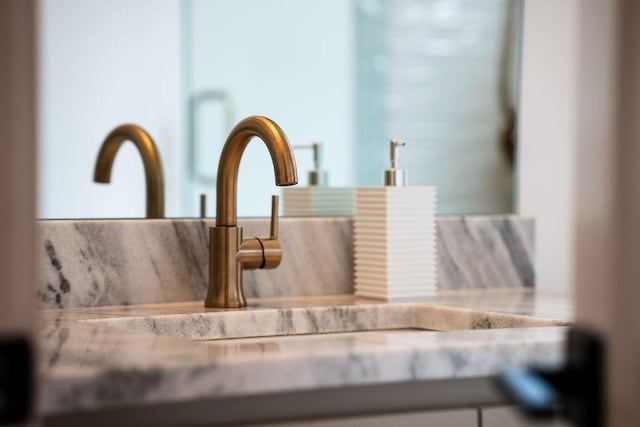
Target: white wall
(548,135)
(104,63)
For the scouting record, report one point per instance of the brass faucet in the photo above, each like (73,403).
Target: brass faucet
(150,159)
(229,254)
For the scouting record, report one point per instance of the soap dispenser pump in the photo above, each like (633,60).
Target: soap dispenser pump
(394,176)
(317,177)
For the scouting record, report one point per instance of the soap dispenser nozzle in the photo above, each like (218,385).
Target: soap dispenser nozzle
(317,177)
(394,176)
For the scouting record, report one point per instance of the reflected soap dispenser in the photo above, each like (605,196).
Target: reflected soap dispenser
(395,237)
(317,199)
(317,177)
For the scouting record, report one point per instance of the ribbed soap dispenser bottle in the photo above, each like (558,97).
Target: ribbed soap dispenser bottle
(395,237)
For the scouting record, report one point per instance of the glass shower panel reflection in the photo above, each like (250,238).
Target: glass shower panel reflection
(439,74)
(289,60)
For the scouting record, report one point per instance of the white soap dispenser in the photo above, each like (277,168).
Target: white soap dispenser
(317,199)
(395,237)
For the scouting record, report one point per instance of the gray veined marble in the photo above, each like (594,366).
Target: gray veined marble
(84,263)
(343,316)
(485,252)
(103,357)
(113,262)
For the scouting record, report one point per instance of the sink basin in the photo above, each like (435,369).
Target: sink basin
(263,321)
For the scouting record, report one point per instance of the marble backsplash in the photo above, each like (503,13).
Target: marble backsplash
(84,263)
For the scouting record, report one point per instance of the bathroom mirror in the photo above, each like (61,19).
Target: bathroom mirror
(351,74)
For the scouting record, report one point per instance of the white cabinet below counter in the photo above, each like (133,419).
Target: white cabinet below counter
(450,418)
(511,417)
(491,417)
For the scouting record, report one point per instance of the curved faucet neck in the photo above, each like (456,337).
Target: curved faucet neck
(284,165)
(150,159)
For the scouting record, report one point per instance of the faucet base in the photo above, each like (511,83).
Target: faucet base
(225,269)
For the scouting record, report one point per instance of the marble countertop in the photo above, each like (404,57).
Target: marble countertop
(85,363)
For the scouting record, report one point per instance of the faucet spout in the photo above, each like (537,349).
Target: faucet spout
(150,159)
(284,164)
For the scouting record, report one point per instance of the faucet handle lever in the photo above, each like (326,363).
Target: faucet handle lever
(274,217)
(271,249)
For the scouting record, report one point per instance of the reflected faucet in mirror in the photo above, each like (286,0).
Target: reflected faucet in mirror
(150,159)
(229,254)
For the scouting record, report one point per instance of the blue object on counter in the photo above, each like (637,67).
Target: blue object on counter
(530,390)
